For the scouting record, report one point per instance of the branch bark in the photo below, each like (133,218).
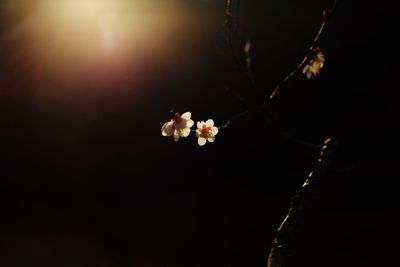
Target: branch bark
(281,243)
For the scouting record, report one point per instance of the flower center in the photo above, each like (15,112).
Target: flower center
(177,118)
(205,131)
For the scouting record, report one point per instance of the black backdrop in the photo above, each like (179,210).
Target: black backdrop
(104,188)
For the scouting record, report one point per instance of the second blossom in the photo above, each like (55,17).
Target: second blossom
(206,131)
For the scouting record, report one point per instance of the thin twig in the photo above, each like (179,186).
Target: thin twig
(281,243)
(248,68)
(237,6)
(326,16)
(301,64)
(228,23)
(231,25)
(247,51)
(231,17)
(235,117)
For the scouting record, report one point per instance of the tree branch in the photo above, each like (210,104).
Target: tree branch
(298,203)
(326,15)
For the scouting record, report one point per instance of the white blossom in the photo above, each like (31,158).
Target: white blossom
(178,126)
(314,66)
(206,131)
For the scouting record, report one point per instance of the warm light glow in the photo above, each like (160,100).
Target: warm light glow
(98,27)
(75,49)
(75,43)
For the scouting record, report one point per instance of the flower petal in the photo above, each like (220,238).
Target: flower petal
(321,56)
(211,139)
(201,141)
(186,115)
(176,135)
(189,123)
(167,129)
(185,132)
(309,75)
(200,124)
(214,130)
(305,68)
(209,123)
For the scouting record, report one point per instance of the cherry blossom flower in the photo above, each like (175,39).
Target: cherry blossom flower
(206,131)
(178,127)
(314,66)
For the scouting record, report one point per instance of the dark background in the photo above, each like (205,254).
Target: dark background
(93,182)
